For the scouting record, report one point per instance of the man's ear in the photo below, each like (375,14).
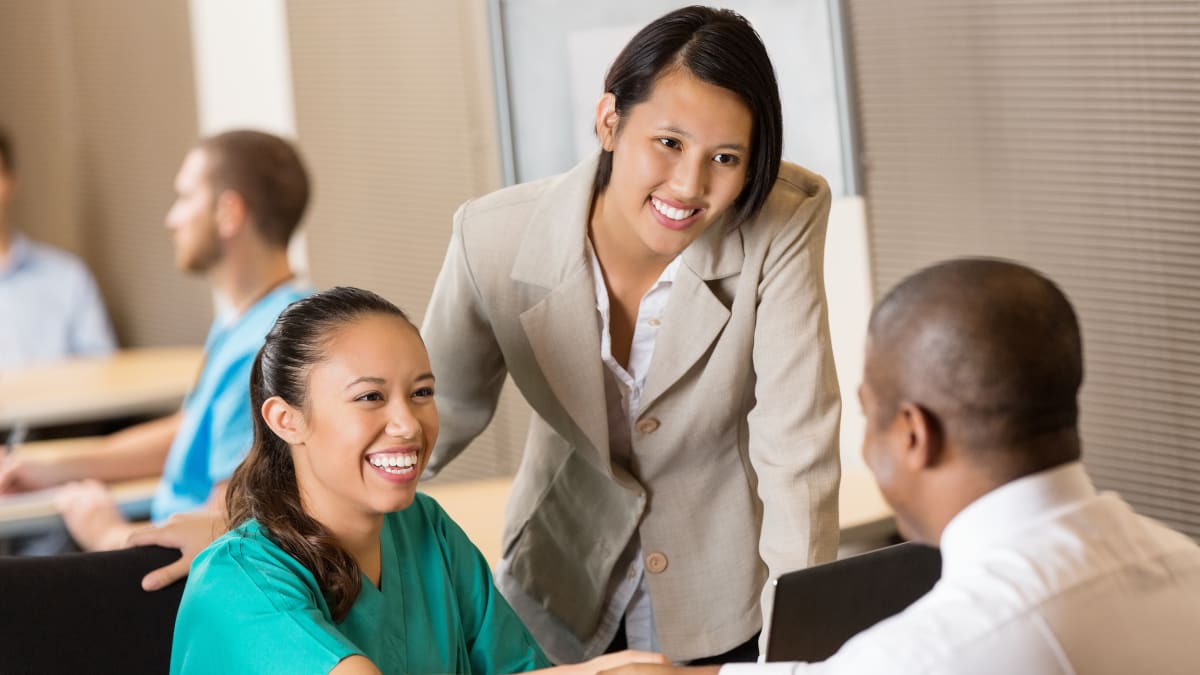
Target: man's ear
(607,120)
(286,421)
(231,213)
(923,434)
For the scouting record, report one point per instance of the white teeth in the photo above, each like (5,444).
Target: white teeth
(393,463)
(670,211)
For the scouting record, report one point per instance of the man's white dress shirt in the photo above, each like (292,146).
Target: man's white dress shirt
(1041,575)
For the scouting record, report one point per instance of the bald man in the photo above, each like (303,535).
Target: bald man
(970,388)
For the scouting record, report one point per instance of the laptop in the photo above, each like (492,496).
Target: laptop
(818,609)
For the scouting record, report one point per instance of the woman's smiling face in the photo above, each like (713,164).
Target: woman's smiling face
(679,163)
(369,421)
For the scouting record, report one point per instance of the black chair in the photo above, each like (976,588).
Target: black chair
(86,613)
(818,609)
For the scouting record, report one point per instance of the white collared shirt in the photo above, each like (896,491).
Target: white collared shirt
(1041,575)
(628,592)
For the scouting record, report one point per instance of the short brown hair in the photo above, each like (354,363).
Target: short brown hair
(8,163)
(267,172)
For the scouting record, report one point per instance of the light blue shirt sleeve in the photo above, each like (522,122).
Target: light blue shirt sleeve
(232,425)
(89,333)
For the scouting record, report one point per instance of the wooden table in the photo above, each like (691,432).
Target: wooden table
(142,381)
(478,508)
(34,512)
(477,505)
(864,514)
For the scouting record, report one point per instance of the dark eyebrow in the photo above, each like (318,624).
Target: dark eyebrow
(372,380)
(680,132)
(380,381)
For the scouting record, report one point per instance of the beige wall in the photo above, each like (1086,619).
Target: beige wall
(37,107)
(101,106)
(394,110)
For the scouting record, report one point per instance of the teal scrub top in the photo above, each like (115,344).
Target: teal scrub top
(249,607)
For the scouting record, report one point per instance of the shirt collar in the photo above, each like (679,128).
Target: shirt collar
(664,280)
(1011,508)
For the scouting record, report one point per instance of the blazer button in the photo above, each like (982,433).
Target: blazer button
(655,563)
(647,425)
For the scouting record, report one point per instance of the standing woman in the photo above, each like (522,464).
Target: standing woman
(661,307)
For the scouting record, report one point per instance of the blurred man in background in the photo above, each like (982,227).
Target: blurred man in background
(239,197)
(50,307)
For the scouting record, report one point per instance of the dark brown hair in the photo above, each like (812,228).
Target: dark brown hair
(721,48)
(267,172)
(8,162)
(264,486)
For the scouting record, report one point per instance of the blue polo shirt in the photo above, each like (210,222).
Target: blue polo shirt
(217,429)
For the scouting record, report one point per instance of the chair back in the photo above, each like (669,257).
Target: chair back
(818,609)
(86,613)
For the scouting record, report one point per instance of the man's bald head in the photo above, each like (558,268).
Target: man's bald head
(992,351)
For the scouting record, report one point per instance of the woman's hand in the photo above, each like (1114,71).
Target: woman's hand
(609,661)
(189,532)
(658,669)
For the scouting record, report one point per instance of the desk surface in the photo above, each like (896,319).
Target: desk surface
(131,382)
(865,516)
(477,506)
(34,512)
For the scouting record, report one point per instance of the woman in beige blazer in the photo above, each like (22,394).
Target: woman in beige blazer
(661,308)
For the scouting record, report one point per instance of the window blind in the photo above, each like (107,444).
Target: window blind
(1066,135)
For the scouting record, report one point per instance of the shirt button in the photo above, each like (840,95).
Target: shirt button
(648,425)
(654,322)
(655,563)
(632,573)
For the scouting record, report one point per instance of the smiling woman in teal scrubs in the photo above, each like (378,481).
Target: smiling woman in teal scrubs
(336,564)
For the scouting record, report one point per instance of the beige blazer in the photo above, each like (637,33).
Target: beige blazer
(735,448)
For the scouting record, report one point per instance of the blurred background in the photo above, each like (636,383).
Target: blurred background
(1061,133)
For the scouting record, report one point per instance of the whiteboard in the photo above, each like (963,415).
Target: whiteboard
(554,54)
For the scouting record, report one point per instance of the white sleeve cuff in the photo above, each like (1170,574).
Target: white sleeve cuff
(777,668)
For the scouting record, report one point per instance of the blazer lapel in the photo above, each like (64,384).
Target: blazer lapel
(561,328)
(562,332)
(695,316)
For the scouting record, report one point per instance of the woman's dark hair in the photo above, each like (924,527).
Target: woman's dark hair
(717,46)
(264,486)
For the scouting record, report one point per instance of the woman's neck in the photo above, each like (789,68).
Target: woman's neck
(357,534)
(629,268)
